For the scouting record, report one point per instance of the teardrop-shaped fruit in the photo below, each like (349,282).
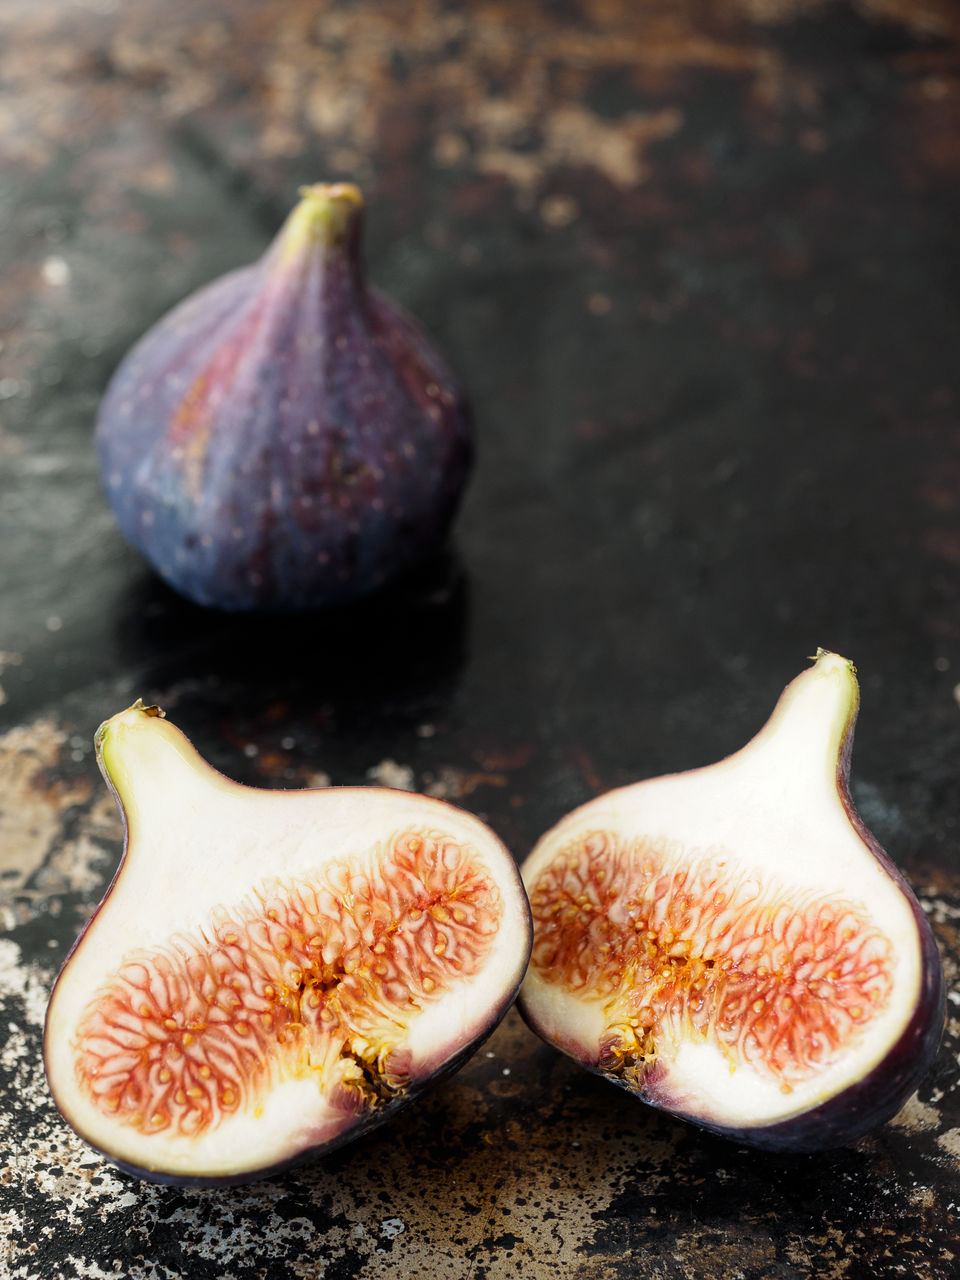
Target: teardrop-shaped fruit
(271,972)
(286,437)
(732,945)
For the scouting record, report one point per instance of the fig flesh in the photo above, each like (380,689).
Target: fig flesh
(272,973)
(287,437)
(733,946)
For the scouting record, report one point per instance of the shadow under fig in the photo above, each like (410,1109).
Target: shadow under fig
(402,646)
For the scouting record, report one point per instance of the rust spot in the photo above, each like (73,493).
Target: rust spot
(33,798)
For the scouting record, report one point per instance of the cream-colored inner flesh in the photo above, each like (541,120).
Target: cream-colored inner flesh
(259,1012)
(724,939)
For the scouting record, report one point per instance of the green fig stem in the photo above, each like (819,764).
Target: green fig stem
(328,216)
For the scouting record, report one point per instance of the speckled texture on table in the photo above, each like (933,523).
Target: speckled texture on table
(696,263)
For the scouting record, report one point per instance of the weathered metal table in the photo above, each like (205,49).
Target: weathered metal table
(697,264)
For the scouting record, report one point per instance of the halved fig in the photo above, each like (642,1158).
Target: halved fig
(271,972)
(733,946)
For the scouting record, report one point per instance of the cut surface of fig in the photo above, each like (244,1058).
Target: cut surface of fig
(271,973)
(732,945)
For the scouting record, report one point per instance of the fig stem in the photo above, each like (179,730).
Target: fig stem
(328,215)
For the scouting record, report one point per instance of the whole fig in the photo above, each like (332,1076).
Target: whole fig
(286,437)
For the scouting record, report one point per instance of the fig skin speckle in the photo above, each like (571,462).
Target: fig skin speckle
(287,437)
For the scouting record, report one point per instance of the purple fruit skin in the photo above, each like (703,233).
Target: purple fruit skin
(285,438)
(882,1092)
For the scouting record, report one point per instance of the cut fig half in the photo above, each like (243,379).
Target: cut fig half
(733,946)
(271,973)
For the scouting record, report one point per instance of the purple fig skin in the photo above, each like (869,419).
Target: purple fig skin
(286,438)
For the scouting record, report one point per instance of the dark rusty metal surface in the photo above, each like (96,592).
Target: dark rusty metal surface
(697,264)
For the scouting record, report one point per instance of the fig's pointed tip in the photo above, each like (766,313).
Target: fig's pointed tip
(321,193)
(326,215)
(149,710)
(827,657)
(139,707)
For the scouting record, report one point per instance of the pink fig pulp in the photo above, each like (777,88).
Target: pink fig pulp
(733,946)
